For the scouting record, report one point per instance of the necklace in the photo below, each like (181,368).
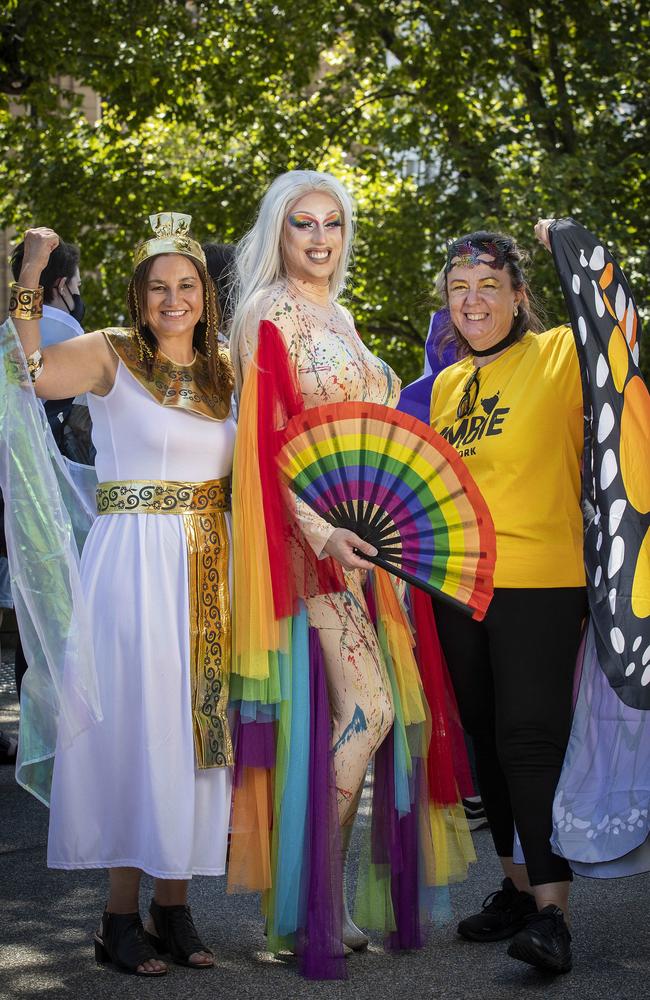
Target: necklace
(499,346)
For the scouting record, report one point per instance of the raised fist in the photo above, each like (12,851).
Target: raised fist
(39,244)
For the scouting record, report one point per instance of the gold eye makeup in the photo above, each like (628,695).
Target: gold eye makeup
(463,286)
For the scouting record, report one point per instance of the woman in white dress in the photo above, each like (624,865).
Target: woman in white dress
(148,787)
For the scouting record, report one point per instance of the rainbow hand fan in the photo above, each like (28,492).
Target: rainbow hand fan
(400,485)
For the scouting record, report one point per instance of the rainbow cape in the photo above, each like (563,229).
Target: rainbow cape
(285,837)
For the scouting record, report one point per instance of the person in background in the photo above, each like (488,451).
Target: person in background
(63,313)
(220,258)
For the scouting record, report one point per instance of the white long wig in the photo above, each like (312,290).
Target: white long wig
(259,260)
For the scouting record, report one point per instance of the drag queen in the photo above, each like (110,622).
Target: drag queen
(147,788)
(304,616)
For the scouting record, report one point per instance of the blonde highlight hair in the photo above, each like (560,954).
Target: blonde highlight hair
(259,263)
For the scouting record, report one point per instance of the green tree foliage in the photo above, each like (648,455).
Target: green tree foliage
(441,116)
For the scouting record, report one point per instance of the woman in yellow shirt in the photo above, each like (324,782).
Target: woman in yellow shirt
(512,407)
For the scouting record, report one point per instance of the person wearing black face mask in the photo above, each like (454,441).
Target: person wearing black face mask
(72,300)
(63,312)
(63,308)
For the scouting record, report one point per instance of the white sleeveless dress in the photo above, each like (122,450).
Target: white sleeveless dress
(126,792)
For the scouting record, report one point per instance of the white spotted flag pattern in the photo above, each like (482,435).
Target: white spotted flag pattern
(616,479)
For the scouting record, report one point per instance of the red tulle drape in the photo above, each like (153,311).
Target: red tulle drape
(295,570)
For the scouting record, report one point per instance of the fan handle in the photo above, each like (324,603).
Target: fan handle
(409,578)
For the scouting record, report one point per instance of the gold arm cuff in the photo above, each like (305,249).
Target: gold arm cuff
(25,303)
(161,497)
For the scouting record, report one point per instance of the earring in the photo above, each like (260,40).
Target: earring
(515,311)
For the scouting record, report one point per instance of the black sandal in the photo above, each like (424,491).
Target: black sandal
(124,943)
(176,935)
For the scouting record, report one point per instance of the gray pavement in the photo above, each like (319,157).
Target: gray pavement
(47,920)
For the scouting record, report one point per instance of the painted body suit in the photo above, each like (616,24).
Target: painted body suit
(333,365)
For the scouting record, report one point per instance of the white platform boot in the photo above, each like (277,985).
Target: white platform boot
(353,937)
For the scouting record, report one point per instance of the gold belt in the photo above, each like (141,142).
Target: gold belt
(138,496)
(202,506)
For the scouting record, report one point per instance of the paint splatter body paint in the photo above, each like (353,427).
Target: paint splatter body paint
(333,364)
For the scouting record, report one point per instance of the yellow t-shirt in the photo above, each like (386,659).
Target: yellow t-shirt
(523,445)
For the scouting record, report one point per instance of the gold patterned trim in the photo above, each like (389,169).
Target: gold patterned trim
(133,496)
(25,303)
(203,507)
(184,387)
(210,636)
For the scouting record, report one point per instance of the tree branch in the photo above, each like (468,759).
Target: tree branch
(531,81)
(553,14)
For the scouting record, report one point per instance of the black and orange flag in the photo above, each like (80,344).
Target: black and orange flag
(616,475)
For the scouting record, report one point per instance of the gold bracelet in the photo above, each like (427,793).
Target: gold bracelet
(34,365)
(25,303)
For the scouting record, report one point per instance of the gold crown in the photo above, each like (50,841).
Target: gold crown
(172,235)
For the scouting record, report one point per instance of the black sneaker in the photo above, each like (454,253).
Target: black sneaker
(504,913)
(545,941)
(8,749)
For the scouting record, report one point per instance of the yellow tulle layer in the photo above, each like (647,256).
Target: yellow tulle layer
(401,646)
(256,631)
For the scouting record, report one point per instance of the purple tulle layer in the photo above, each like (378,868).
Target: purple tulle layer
(255,743)
(395,843)
(321,946)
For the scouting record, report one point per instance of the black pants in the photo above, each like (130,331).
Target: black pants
(20,665)
(513,677)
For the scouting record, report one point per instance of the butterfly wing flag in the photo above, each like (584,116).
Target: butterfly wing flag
(616,479)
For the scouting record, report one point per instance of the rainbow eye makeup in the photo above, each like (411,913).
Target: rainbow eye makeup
(304,221)
(300,221)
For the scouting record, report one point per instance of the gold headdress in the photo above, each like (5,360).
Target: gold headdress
(172,235)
